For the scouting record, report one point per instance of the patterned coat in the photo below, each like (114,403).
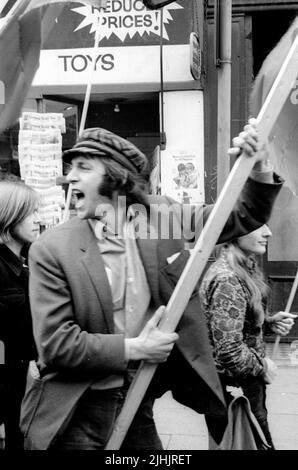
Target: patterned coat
(235,334)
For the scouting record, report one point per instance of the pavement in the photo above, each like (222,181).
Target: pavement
(180,428)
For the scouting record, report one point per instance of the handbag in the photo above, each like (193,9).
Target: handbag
(243,431)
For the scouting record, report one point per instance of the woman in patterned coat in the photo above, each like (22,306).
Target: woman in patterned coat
(234,297)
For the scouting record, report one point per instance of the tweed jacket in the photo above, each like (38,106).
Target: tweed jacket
(73,316)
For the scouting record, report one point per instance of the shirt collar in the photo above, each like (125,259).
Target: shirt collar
(103,230)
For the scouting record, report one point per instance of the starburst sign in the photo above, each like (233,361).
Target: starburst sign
(125,18)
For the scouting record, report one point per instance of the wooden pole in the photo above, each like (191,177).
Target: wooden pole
(16,11)
(89,84)
(85,108)
(3,4)
(287,309)
(207,240)
(224,67)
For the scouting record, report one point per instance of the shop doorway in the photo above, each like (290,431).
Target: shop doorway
(134,116)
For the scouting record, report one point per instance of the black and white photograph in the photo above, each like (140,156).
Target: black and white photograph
(148,228)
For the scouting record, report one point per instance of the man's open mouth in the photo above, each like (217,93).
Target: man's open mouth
(79,197)
(78,194)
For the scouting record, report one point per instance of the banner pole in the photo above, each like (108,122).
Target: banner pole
(207,240)
(93,67)
(16,10)
(287,310)
(85,107)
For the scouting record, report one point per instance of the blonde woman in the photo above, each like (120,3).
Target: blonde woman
(234,298)
(19,226)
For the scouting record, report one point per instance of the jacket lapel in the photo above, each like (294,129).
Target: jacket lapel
(148,252)
(94,265)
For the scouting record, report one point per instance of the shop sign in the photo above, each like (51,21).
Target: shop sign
(122,23)
(113,66)
(128,49)
(125,19)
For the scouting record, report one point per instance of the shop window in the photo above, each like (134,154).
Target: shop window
(9,163)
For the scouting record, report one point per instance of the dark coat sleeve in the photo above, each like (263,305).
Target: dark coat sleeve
(189,372)
(252,209)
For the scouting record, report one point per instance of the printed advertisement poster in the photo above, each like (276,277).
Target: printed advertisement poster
(182,175)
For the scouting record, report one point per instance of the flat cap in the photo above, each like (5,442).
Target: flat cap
(101,142)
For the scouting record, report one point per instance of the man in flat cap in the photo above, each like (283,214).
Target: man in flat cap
(98,284)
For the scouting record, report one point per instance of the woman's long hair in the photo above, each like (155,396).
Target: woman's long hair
(247,270)
(17,201)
